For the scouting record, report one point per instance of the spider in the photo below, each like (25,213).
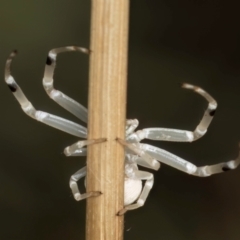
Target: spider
(136,153)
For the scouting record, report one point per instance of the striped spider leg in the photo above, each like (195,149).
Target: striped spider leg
(133,144)
(68,103)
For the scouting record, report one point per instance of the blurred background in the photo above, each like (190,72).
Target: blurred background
(171,42)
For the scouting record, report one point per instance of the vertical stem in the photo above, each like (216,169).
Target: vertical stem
(107,110)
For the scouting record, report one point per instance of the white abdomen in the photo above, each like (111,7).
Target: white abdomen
(132,190)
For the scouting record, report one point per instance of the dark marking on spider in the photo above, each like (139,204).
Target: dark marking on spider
(12,87)
(212,113)
(225,169)
(49,61)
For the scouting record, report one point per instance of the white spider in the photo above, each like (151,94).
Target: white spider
(136,153)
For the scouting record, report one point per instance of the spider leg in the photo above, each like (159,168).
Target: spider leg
(74,187)
(131,125)
(141,161)
(49,119)
(185,166)
(66,102)
(175,135)
(77,148)
(145,159)
(141,175)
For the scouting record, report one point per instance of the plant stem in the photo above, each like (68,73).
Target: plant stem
(107,116)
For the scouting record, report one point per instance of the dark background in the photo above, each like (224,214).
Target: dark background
(171,41)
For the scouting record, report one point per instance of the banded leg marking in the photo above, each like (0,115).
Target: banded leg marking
(63,100)
(47,118)
(175,135)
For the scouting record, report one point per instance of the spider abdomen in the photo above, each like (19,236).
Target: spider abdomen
(132,190)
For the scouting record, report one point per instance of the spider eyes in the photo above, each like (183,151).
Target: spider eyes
(49,61)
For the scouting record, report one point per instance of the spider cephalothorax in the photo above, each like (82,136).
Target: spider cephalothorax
(137,153)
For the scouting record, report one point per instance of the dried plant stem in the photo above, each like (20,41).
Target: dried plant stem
(107,115)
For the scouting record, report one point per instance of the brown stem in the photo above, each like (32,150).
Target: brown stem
(107,115)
